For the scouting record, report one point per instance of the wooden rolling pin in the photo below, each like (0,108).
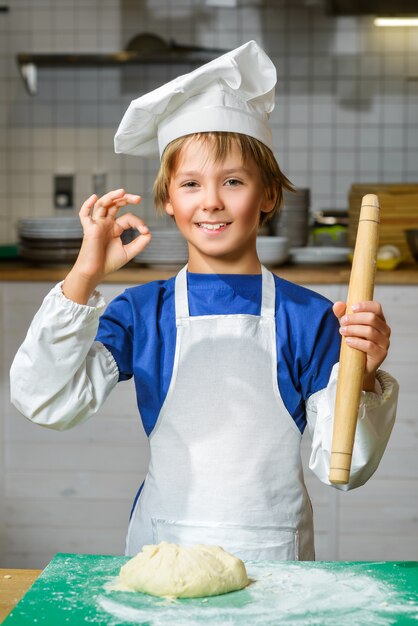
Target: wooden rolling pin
(352,361)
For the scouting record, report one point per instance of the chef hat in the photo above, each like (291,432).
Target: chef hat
(234,92)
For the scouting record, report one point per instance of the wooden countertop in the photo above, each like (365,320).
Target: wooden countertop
(14,583)
(135,274)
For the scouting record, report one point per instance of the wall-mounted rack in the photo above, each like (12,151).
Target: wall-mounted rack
(144,48)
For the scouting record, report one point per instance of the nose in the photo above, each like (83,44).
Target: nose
(212,200)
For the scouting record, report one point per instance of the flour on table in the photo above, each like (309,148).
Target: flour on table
(170,570)
(280,593)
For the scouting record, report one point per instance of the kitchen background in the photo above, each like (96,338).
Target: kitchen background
(346,111)
(347,101)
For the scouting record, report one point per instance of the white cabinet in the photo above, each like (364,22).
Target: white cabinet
(72,491)
(379,521)
(68,491)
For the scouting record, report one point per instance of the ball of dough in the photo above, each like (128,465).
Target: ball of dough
(170,570)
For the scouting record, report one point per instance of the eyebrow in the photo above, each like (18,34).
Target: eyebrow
(228,172)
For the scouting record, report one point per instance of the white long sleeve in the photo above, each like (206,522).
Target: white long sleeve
(60,376)
(376,418)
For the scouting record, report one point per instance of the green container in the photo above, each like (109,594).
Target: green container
(9,251)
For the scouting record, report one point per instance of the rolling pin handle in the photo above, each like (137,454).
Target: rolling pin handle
(352,361)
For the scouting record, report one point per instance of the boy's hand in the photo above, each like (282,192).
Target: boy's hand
(365,329)
(102,250)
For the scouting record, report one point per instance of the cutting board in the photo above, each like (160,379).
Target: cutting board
(76,589)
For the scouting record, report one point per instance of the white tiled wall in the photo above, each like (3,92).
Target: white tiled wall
(345,111)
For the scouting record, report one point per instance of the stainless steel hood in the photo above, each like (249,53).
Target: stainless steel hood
(144,48)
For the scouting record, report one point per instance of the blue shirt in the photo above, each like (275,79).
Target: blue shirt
(139,329)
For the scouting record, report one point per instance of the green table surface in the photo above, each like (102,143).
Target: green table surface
(76,589)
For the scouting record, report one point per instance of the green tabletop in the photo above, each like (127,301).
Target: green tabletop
(77,589)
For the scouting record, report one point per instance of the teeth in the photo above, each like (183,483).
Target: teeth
(211,226)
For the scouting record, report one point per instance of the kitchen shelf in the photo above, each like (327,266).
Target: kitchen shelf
(143,49)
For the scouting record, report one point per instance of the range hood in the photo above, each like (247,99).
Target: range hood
(372,7)
(144,48)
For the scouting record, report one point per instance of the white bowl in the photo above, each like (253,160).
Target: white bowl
(272,250)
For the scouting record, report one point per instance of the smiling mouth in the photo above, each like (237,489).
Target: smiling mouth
(213,227)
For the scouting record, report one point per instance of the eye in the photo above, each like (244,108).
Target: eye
(233,182)
(189,183)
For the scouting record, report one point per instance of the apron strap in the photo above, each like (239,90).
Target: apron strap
(180,294)
(268,294)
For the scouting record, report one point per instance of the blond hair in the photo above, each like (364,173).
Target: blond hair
(272,178)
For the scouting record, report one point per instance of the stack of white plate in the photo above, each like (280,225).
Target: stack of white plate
(292,221)
(167,247)
(50,239)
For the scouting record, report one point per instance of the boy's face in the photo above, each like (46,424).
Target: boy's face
(217,206)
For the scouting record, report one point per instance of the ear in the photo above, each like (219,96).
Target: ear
(169,208)
(268,204)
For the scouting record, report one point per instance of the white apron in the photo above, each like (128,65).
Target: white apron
(225,464)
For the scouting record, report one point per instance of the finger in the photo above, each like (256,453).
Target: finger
(128,198)
(375,354)
(128,220)
(368,333)
(339,309)
(132,198)
(87,206)
(365,320)
(368,305)
(105,202)
(137,245)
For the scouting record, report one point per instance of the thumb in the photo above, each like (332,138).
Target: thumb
(339,309)
(137,245)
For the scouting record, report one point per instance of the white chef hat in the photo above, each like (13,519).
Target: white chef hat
(234,92)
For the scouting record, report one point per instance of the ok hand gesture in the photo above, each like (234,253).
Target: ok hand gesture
(102,250)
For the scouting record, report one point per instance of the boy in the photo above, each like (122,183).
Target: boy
(230,363)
